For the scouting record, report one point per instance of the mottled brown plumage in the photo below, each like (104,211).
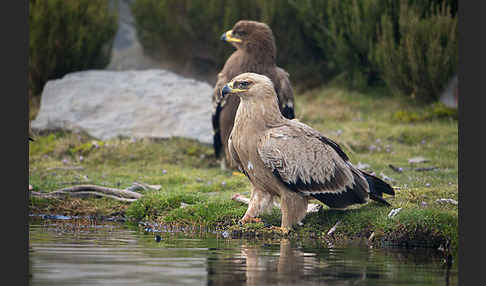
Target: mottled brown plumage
(255,52)
(288,159)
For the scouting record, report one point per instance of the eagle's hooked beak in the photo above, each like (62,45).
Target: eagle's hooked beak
(229,89)
(228,37)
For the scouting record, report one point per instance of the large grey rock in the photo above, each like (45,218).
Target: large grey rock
(450,95)
(146,103)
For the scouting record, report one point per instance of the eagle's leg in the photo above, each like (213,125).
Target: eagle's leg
(294,209)
(260,202)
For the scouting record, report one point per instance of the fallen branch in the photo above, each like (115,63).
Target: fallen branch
(143,186)
(91,190)
(80,195)
(396,169)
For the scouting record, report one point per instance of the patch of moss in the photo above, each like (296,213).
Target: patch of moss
(43,145)
(434,111)
(155,204)
(209,213)
(407,116)
(441,111)
(85,148)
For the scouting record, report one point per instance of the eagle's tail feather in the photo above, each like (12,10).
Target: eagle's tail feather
(378,187)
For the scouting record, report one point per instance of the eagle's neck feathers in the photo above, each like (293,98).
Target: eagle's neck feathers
(258,114)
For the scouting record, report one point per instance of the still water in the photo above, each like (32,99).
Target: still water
(73,252)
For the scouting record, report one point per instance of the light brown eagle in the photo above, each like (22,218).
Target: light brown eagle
(255,52)
(288,159)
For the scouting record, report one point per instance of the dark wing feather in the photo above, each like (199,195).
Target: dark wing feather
(218,103)
(285,93)
(307,162)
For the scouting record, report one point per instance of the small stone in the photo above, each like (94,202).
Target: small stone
(386,178)
(362,166)
(416,160)
(95,144)
(183,205)
(394,212)
(447,201)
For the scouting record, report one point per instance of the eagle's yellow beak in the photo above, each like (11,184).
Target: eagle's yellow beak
(227,89)
(228,37)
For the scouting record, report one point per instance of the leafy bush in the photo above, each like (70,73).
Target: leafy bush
(362,42)
(66,36)
(350,36)
(419,57)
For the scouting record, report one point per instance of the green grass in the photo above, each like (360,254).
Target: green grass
(372,128)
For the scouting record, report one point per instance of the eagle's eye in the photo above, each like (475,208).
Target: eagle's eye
(242,84)
(239,33)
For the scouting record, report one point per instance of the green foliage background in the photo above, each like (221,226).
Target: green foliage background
(67,36)
(410,46)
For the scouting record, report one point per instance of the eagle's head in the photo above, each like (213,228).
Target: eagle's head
(250,86)
(252,37)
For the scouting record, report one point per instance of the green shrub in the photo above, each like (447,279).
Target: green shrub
(361,42)
(418,54)
(67,36)
(348,35)
(352,35)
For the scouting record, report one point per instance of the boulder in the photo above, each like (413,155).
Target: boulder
(450,95)
(105,104)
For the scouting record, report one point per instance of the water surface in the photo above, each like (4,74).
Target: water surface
(83,252)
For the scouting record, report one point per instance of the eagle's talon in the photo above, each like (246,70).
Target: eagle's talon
(285,230)
(249,219)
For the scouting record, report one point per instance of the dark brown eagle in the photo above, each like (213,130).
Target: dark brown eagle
(289,159)
(255,52)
